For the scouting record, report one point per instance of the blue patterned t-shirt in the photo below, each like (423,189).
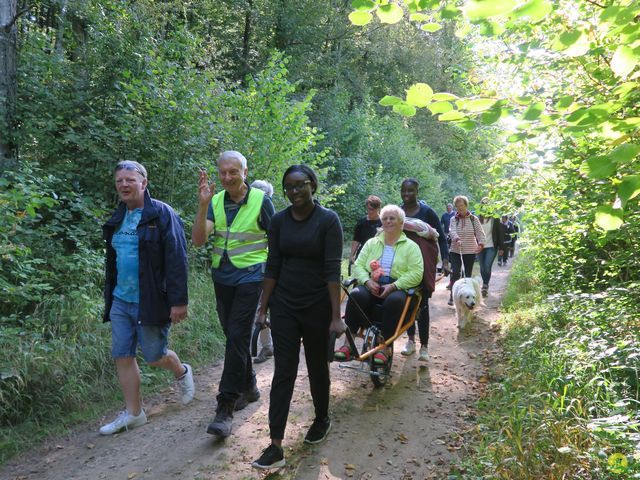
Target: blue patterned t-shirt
(125,243)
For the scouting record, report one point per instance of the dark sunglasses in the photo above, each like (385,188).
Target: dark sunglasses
(128,165)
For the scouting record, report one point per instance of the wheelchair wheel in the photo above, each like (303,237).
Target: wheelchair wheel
(379,373)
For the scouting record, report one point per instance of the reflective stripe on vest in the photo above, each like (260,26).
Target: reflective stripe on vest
(244,241)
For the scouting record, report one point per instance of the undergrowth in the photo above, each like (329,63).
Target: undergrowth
(56,369)
(563,402)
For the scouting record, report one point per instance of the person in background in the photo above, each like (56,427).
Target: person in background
(238,217)
(266,343)
(366,227)
(494,240)
(145,289)
(415,208)
(445,221)
(302,292)
(507,232)
(467,240)
(515,223)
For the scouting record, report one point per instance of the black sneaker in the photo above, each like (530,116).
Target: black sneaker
(272,457)
(318,431)
(450,302)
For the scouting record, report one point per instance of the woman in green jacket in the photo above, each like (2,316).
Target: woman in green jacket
(400,267)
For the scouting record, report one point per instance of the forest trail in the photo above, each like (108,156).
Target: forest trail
(410,429)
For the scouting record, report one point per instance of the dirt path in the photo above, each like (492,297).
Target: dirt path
(410,429)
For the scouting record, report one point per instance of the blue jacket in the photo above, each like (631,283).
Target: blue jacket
(162,252)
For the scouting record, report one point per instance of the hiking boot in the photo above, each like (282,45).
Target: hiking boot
(221,425)
(318,431)
(409,348)
(246,398)
(124,421)
(264,355)
(485,290)
(187,388)
(424,354)
(272,457)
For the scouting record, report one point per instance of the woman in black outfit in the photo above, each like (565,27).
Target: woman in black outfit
(301,288)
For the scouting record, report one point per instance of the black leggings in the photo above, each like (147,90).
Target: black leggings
(456,264)
(287,327)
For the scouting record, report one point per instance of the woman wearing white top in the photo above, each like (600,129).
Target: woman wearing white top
(467,240)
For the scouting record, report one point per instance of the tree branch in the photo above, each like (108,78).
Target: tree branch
(592,2)
(8,26)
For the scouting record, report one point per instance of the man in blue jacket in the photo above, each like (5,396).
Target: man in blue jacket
(145,289)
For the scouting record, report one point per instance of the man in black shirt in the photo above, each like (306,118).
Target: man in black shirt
(367,227)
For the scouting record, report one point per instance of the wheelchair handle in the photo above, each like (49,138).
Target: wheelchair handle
(332,346)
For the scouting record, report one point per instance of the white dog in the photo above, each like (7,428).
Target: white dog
(466,295)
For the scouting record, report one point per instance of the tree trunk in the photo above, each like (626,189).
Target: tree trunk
(8,43)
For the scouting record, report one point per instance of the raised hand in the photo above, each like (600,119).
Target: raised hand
(206,190)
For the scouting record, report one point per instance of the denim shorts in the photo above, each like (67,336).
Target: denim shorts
(126,333)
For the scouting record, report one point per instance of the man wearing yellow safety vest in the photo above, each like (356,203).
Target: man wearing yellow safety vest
(239,217)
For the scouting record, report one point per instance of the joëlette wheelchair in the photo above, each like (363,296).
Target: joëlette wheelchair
(373,341)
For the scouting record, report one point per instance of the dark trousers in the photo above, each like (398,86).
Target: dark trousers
(391,310)
(287,328)
(236,308)
(505,253)
(456,264)
(424,323)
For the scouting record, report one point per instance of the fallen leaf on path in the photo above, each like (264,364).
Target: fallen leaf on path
(90,446)
(132,475)
(402,438)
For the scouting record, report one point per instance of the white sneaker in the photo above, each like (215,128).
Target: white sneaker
(186,385)
(424,354)
(409,348)
(124,421)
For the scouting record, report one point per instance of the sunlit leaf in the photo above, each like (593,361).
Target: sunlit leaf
(390,13)
(477,105)
(444,96)
(365,5)
(491,29)
(450,12)
(573,43)
(629,187)
(360,18)
(404,109)
(451,116)
(598,167)
(389,100)
(491,116)
(608,218)
(564,102)
(625,153)
(523,100)
(516,137)
(479,9)
(419,95)
(419,17)
(534,11)
(533,112)
(467,125)
(624,61)
(431,27)
(440,107)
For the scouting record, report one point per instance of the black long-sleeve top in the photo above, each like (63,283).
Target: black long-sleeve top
(304,256)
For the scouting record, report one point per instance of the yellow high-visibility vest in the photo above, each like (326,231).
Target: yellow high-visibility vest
(244,241)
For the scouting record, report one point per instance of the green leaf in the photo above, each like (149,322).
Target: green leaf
(477,105)
(491,116)
(491,29)
(428,4)
(534,11)
(449,12)
(624,61)
(419,95)
(440,107)
(629,187)
(453,115)
(390,13)
(573,44)
(363,5)
(523,100)
(404,109)
(533,112)
(478,9)
(444,96)
(516,137)
(608,218)
(360,18)
(431,27)
(419,17)
(389,100)
(564,102)
(467,125)
(598,167)
(625,153)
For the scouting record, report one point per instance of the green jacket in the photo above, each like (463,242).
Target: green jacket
(407,267)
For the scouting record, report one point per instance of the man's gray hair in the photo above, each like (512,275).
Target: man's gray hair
(233,155)
(263,185)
